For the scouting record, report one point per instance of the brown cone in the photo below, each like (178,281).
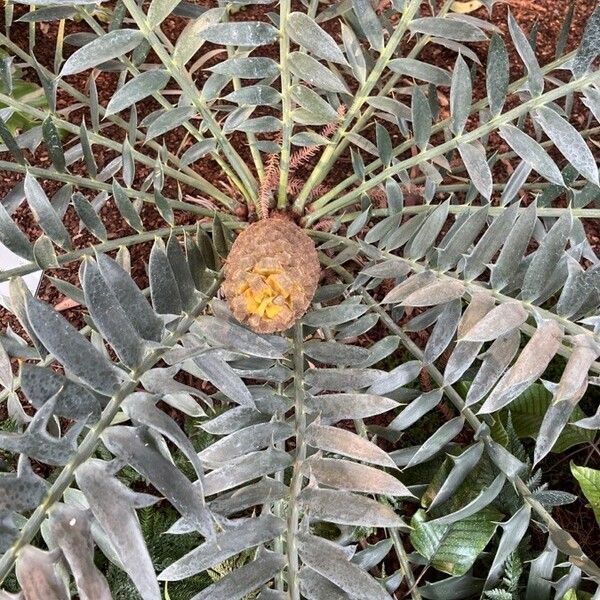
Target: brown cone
(271,275)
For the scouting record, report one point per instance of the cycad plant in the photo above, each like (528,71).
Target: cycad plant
(364,370)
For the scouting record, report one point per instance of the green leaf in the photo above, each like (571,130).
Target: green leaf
(453,548)
(110,45)
(589,480)
(527,413)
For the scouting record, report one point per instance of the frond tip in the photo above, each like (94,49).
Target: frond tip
(271,275)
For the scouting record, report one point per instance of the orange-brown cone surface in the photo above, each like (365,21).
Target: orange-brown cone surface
(271,275)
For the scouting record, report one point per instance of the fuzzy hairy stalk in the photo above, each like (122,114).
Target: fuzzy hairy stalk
(361,96)
(188,87)
(90,442)
(293,520)
(469,136)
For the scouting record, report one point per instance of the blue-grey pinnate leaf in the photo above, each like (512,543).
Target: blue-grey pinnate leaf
(38,576)
(110,45)
(532,153)
(233,336)
(249,467)
(335,353)
(71,531)
(340,380)
(164,290)
(252,67)
(346,443)
(345,508)
(590,45)
(126,208)
(316,587)
(167,120)
(499,321)
(21,491)
(497,75)
(239,583)
(112,504)
(530,365)
(369,23)
(535,76)
(539,583)
(355,53)
(313,72)
(546,257)
(438,441)
(244,441)
(330,561)
(45,214)
(569,141)
(489,243)
(233,540)
(109,316)
(460,95)
(189,40)
(308,34)
(265,491)
(148,325)
(483,499)
(12,237)
(513,531)
(514,248)
(53,144)
(135,446)
(240,33)
(73,401)
(421,118)
(71,349)
(255,95)
(159,10)
(141,408)
(338,407)
(181,272)
(452,29)
(224,378)
(425,238)
(417,408)
(463,465)
(473,156)
(571,388)
(334,315)
(354,477)
(89,217)
(136,89)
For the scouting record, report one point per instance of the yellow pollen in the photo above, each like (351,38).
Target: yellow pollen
(264,293)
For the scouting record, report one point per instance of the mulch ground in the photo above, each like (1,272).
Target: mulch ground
(544,16)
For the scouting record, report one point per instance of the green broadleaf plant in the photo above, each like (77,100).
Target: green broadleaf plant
(305,449)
